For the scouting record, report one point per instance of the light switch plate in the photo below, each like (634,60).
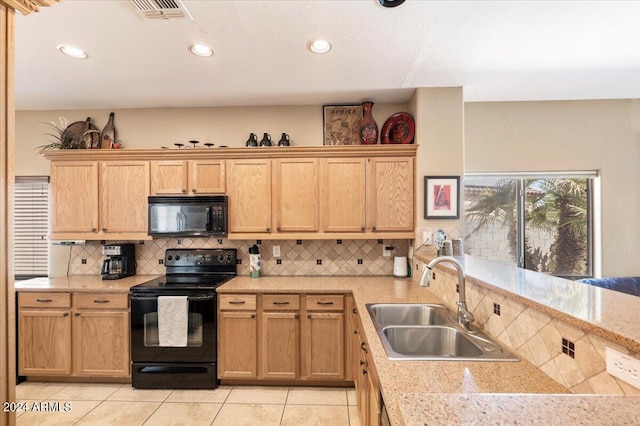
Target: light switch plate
(624,367)
(276,251)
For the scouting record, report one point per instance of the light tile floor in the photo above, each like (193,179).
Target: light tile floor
(122,405)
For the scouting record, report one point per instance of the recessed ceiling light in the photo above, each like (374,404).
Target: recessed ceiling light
(200,50)
(74,52)
(319,46)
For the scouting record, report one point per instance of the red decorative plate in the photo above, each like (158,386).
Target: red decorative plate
(399,128)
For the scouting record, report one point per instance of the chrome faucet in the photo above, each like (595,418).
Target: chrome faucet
(464,316)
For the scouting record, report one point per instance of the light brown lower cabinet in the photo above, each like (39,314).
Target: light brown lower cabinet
(364,374)
(324,337)
(87,338)
(237,337)
(281,337)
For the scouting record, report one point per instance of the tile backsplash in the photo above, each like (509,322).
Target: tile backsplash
(297,257)
(572,357)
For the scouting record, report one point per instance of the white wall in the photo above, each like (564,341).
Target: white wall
(569,135)
(154,128)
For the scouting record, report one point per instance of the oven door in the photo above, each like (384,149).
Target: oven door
(201,337)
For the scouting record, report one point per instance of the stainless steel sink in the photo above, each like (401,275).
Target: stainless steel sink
(408,314)
(413,332)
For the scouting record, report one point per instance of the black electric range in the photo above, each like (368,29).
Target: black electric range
(193,274)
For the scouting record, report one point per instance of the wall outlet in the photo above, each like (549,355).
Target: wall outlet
(386,252)
(624,367)
(276,251)
(427,238)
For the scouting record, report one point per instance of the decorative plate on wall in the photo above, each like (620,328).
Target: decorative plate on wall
(398,129)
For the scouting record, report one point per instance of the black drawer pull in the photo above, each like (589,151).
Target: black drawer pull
(355,311)
(101,301)
(76,314)
(237,302)
(66,314)
(363,347)
(44,300)
(253,315)
(324,303)
(280,303)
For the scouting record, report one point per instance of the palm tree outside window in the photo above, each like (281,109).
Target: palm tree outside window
(539,222)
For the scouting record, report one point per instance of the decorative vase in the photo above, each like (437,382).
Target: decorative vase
(266,140)
(369,127)
(253,140)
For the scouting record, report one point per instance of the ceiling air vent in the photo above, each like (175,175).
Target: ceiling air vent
(164,9)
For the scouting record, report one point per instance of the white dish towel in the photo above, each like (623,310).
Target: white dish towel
(173,320)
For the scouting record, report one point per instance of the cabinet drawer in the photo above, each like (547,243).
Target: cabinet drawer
(325,302)
(280,302)
(101,300)
(238,302)
(44,300)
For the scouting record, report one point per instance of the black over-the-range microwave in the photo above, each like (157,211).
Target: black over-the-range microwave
(188,216)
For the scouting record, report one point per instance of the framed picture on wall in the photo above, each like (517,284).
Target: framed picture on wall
(442,197)
(342,124)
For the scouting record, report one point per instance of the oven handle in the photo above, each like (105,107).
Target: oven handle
(190,298)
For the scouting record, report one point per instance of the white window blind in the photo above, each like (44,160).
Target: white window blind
(31,224)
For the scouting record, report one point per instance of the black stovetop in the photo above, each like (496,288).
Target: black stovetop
(193,269)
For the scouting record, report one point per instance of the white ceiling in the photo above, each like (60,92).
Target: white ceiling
(496,50)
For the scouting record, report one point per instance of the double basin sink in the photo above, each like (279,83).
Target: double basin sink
(431,332)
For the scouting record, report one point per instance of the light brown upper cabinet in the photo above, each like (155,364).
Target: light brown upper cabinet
(310,192)
(91,199)
(367,195)
(74,196)
(124,190)
(343,195)
(249,192)
(391,191)
(295,194)
(197,177)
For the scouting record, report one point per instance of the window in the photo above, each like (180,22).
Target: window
(538,222)
(31,224)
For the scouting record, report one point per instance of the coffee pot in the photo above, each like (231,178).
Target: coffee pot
(121,261)
(284,140)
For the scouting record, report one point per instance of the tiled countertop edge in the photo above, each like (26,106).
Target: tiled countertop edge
(494,276)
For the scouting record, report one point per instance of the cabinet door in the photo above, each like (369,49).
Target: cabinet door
(74,196)
(237,345)
(169,177)
(124,186)
(101,343)
(44,342)
(249,191)
(324,345)
(295,194)
(207,176)
(391,194)
(280,345)
(343,195)
(373,395)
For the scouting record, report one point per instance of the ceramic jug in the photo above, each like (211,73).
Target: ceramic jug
(253,140)
(284,140)
(266,140)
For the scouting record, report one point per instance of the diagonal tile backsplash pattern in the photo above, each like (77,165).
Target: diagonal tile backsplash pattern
(536,337)
(298,257)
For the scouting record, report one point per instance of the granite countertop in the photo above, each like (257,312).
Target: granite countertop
(88,283)
(399,378)
(607,313)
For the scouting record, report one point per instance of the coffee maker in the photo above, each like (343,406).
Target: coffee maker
(121,262)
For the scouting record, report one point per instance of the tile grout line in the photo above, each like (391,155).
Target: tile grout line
(284,406)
